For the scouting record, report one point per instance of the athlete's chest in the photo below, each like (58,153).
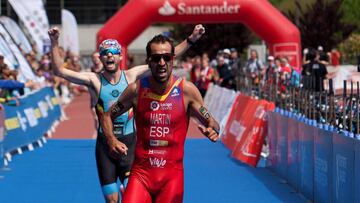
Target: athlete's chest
(168,112)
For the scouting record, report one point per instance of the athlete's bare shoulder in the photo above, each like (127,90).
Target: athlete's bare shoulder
(189,87)
(191,93)
(133,87)
(137,72)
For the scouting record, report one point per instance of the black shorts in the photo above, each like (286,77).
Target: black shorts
(109,169)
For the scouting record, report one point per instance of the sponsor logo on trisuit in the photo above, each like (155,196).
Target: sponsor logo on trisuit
(154,105)
(157,151)
(159,143)
(175,92)
(156,162)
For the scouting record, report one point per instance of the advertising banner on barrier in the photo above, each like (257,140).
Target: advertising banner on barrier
(343,168)
(323,166)
(272,135)
(357,171)
(306,159)
(326,167)
(209,95)
(222,107)
(213,97)
(249,146)
(30,120)
(292,152)
(2,134)
(235,127)
(225,119)
(281,147)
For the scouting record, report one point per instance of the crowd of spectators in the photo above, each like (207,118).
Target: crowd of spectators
(226,70)
(12,88)
(201,70)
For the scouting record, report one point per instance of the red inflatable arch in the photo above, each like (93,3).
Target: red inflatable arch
(281,36)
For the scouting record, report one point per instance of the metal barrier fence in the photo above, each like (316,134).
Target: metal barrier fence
(311,100)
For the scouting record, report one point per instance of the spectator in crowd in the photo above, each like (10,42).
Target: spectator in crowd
(270,70)
(235,62)
(206,76)
(13,84)
(226,77)
(3,65)
(335,57)
(292,77)
(45,66)
(213,62)
(305,56)
(6,88)
(40,78)
(33,61)
(187,64)
(285,66)
(314,72)
(97,66)
(195,70)
(323,57)
(226,54)
(254,67)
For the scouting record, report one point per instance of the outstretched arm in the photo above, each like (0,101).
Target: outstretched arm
(124,103)
(198,31)
(57,62)
(196,106)
(141,71)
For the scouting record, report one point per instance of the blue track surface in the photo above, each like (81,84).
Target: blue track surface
(65,171)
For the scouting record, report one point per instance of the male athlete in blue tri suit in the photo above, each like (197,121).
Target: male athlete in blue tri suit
(108,86)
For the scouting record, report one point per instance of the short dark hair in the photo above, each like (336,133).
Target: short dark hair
(311,55)
(159,39)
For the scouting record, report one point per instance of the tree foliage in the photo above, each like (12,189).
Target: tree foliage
(350,48)
(322,24)
(351,10)
(216,37)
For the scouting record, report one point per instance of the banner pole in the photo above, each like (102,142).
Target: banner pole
(357,107)
(344,107)
(350,106)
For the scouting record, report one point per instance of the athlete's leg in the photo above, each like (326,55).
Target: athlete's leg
(173,190)
(107,174)
(136,192)
(123,165)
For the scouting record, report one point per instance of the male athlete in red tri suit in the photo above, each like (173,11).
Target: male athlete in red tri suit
(162,104)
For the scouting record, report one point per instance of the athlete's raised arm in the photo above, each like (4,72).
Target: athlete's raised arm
(123,104)
(198,31)
(196,106)
(141,71)
(57,62)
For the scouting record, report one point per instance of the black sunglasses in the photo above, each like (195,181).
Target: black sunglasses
(157,57)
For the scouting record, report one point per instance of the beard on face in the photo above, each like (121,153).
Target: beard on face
(154,71)
(110,70)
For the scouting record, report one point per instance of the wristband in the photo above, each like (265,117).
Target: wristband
(188,40)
